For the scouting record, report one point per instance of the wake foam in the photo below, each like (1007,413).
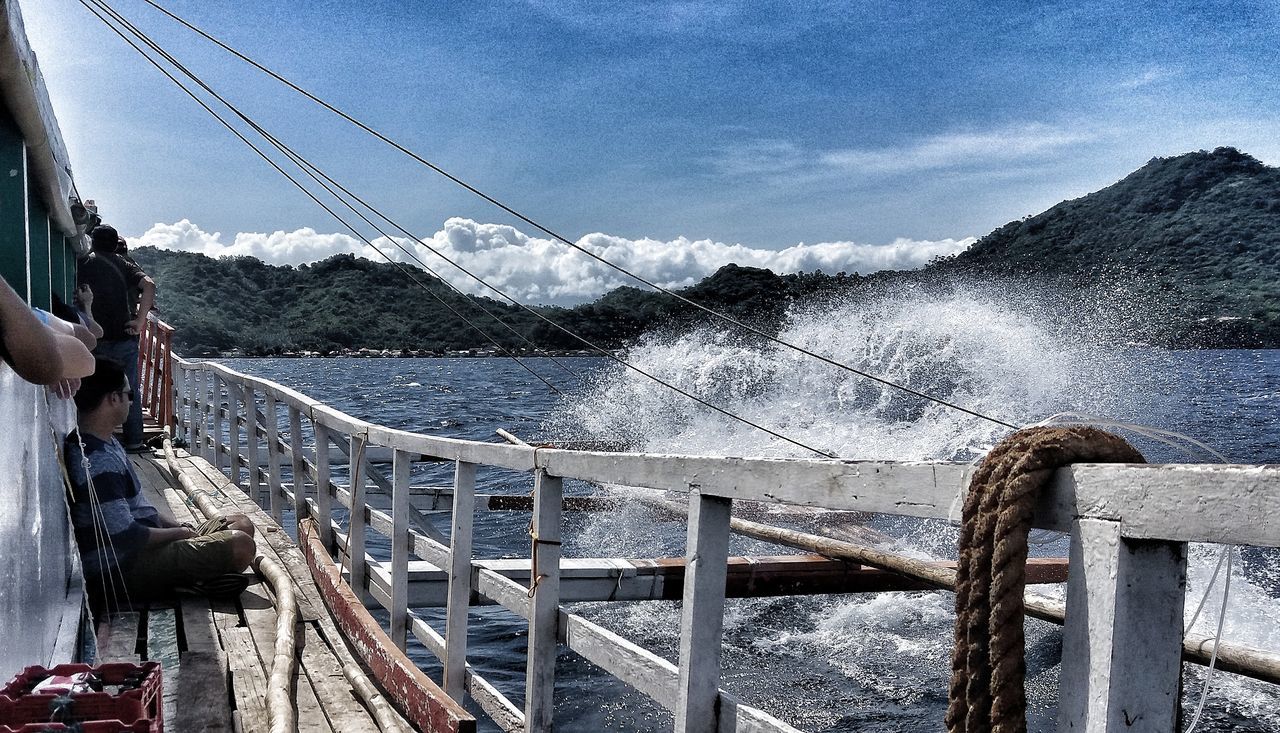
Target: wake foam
(965,348)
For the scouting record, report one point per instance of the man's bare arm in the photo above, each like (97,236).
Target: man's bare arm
(145,302)
(32,347)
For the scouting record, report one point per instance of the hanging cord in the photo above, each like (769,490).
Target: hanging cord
(1217,638)
(1208,587)
(113,571)
(133,29)
(600,350)
(513,212)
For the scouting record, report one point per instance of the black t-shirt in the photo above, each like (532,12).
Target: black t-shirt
(111,277)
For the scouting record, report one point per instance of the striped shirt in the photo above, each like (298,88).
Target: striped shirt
(112,519)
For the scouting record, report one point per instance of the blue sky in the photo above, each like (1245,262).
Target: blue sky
(757,124)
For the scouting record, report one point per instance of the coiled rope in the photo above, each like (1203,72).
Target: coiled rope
(988,661)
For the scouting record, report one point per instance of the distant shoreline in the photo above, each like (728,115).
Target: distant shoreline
(478,354)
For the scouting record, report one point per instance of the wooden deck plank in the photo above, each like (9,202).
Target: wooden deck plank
(322,664)
(262,620)
(202,679)
(120,643)
(323,651)
(248,679)
(199,682)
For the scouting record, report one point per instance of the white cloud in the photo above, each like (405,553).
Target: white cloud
(277,248)
(960,148)
(982,149)
(1147,77)
(536,270)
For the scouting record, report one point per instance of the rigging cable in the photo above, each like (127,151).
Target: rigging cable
(89,4)
(564,240)
(308,167)
(332,213)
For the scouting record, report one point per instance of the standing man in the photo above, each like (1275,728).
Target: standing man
(111,277)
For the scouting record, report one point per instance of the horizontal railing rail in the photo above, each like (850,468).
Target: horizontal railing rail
(1128,526)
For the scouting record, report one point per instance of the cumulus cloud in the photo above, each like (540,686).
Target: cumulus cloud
(538,270)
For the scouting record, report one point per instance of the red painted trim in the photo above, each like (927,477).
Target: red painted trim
(421,701)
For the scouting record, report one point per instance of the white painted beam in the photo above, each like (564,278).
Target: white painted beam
(1122,646)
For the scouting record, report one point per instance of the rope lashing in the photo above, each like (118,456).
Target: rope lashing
(988,662)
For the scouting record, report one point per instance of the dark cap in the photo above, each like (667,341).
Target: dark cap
(104,239)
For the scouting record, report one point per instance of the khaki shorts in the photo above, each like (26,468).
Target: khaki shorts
(181,562)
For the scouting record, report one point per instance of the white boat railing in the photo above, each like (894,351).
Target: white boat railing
(1128,524)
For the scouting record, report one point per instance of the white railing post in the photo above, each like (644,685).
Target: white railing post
(299,465)
(219,451)
(233,430)
(1124,631)
(324,484)
(210,442)
(702,619)
(194,433)
(355,528)
(540,676)
(272,424)
(400,465)
(252,444)
(455,625)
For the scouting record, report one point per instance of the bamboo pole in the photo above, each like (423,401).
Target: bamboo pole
(283,718)
(383,714)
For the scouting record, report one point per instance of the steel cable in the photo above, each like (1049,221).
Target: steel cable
(564,240)
(90,5)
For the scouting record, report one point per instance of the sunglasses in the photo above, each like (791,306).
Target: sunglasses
(128,393)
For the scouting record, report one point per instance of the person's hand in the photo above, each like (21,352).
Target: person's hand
(84,296)
(136,326)
(65,389)
(185,533)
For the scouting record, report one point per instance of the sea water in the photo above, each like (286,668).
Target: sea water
(873,662)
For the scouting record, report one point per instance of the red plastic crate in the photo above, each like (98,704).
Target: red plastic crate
(136,701)
(97,726)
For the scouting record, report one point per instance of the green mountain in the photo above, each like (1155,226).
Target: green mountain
(1197,233)
(1192,241)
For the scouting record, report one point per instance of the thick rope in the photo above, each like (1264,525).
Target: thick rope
(988,661)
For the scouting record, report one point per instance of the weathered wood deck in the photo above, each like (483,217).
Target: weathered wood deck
(217,655)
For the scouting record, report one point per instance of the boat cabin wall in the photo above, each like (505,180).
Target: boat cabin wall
(35,259)
(41,593)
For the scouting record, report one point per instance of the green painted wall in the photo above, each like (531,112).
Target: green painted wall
(13,206)
(58,266)
(38,236)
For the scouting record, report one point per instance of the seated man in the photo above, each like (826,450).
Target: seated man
(129,550)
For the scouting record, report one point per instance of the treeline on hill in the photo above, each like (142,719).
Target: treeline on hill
(1194,239)
(345,302)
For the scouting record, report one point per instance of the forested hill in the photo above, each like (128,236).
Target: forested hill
(1194,238)
(345,302)
(1202,227)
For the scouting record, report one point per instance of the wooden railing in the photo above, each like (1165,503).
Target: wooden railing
(1128,524)
(155,371)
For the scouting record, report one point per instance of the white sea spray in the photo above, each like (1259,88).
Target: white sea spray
(1019,363)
